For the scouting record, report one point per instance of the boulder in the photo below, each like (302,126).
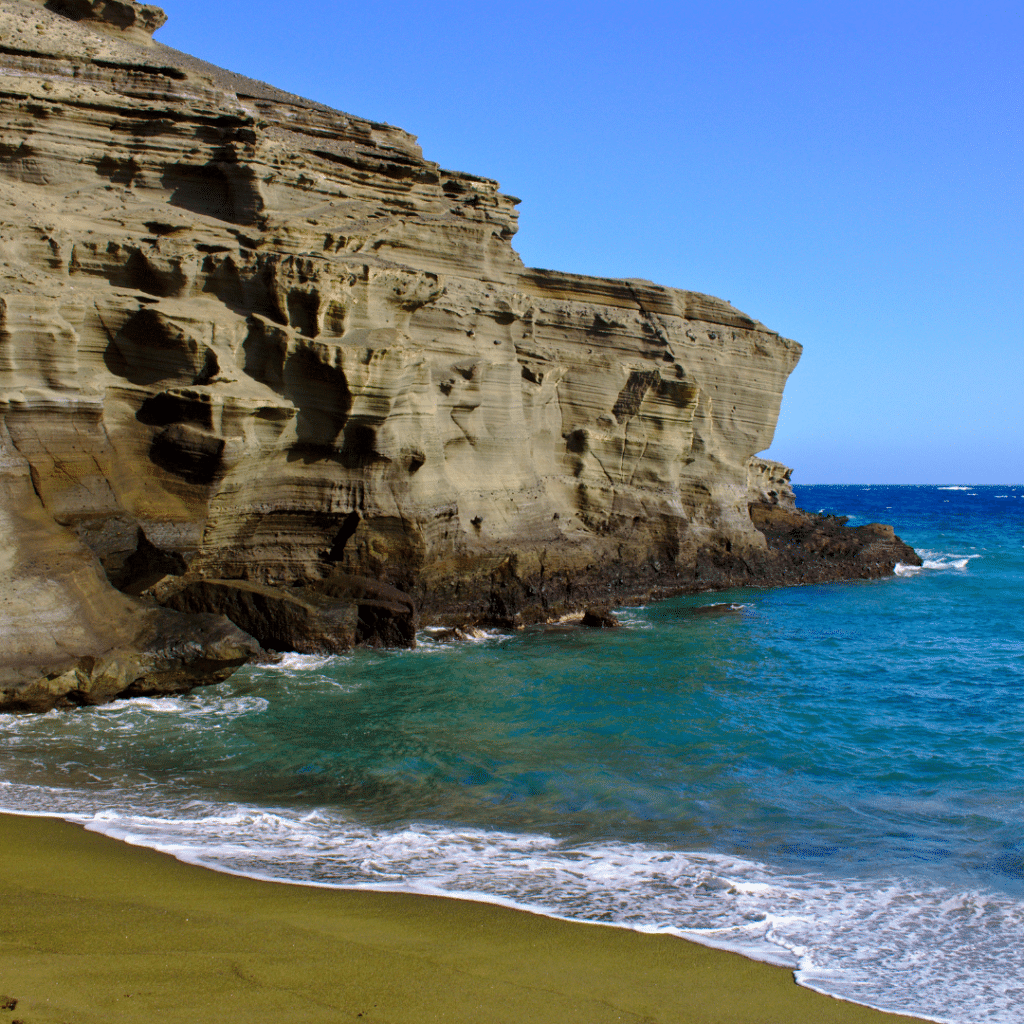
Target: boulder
(386,617)
(600,617)
(171,653)
(328,618)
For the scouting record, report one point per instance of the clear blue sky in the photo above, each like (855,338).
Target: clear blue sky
(849,174)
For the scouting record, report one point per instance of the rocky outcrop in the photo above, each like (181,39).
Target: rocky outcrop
(120,18)
(769,483)
(254,342)
(329,618)
(809,548)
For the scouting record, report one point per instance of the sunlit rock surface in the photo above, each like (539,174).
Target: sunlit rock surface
(247,337)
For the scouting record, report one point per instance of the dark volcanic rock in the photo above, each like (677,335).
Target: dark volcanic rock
(386,617)
(328,618)
(281,619)
(811,548)
(600,617)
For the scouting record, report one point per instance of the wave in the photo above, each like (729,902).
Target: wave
(195,710)
(305,671)
(443,637)
(633,618)
(897,944)
(931,560)
(292,662)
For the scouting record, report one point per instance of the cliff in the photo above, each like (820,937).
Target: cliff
(260,357)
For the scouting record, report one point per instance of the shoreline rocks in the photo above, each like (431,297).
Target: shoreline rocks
(171,654)
(600,617)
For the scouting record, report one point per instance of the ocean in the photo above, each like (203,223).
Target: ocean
(825,777)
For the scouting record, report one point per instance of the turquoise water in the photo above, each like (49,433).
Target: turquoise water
(826,777)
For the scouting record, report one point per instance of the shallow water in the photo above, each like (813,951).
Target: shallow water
(825,777)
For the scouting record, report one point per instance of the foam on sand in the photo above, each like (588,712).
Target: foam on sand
(165,941)
(860,940)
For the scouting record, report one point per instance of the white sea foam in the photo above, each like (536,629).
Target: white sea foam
(198,707)
(306,662)
(898,944)
(429,638)
(633,618)
(952,562)
(955,487)
(312,671)
(933,560)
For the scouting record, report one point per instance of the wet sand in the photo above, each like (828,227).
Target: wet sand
(93,930)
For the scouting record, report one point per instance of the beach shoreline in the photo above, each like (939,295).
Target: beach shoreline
(100,930)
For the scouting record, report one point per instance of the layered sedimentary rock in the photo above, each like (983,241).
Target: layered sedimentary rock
(245,337)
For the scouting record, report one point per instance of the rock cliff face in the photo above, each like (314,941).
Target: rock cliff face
(246,338)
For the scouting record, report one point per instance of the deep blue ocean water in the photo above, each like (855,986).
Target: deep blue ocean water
(828,777)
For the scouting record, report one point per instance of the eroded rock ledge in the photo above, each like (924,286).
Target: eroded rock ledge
(260,358)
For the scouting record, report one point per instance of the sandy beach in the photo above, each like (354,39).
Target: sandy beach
(95,930)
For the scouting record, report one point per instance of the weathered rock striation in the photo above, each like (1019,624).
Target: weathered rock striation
(254,350)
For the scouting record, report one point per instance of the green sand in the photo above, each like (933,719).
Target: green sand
(95,930)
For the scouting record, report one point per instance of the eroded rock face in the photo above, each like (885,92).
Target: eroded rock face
(769,483)
(121,18)
(244,337)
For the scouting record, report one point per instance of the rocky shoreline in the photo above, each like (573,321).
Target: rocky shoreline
(801,548)
(270,379)
(206,629)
